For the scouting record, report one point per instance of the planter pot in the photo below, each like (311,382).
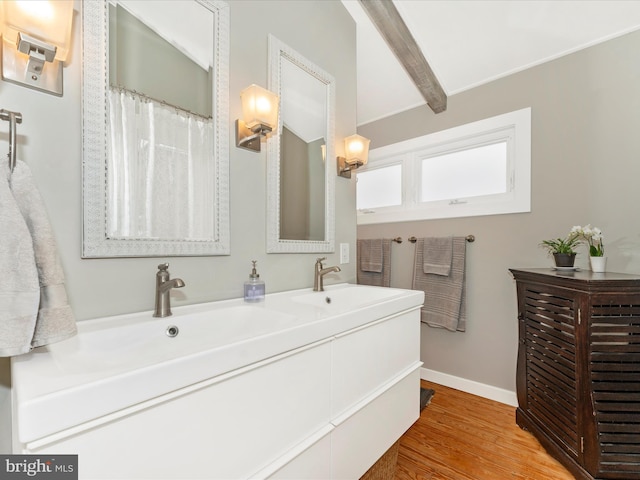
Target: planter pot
(564,259)
(598,264)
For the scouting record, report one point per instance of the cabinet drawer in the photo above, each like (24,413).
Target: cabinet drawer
(366,358)
(228,427)
(313,463)
(359,440)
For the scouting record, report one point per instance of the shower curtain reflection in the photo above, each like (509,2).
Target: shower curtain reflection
(158,170)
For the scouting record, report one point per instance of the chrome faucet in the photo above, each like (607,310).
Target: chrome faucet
(164,284)
(320,273)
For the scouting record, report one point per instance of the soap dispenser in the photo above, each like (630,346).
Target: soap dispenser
(254,287)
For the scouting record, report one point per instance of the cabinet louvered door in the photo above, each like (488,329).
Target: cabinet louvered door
(551,375)
(578,378)
(614,363)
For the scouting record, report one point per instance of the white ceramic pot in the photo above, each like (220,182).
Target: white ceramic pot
(598,264)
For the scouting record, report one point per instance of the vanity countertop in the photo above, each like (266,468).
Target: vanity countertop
(115,362)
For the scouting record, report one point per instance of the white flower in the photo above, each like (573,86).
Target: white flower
(597,235)
(592,236)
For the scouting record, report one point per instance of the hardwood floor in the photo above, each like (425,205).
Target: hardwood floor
(464,437)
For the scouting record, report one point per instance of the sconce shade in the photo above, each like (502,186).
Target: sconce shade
(47,20)
(260,117)
(356,149)
(259,108)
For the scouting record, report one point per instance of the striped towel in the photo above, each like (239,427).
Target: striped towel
(380,278)
(437,255)
(444,301)
(370,255)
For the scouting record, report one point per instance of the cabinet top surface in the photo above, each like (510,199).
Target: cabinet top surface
(578,276)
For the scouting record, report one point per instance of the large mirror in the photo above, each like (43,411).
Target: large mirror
(300,157)
(155,128)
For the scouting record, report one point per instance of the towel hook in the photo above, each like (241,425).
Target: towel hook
(13,118)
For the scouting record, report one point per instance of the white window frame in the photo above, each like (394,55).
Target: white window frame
(513,127)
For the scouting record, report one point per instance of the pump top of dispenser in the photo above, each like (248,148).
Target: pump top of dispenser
(254,273)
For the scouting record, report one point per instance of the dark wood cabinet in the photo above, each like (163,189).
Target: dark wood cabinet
(578,373)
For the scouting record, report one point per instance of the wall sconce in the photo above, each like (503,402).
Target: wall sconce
(356,150)
(260,117)
(36,36)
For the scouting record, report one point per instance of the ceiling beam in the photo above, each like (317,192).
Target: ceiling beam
(387,19)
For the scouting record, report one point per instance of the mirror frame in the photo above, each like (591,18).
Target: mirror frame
(277,51)
(95,64)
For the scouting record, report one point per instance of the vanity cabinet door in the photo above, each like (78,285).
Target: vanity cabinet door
(376,391)
(363,436)
(366,358)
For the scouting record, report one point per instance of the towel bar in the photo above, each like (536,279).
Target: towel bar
(469,238)
(13,118)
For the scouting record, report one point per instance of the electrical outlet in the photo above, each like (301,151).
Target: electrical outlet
(344,253)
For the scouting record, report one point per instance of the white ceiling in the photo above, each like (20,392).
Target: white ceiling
(471,42)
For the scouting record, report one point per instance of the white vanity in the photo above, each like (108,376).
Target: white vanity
(304,385)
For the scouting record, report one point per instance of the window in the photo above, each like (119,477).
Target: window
(482,168)
(472,172)
(379,187)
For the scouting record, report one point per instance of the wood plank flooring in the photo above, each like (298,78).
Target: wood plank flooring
(460,436)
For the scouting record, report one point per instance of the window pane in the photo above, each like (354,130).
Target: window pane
(381,187)
(466,173)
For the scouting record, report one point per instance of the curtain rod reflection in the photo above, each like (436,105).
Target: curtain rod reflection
(147,98)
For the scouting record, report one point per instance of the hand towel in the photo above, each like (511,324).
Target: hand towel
(19,289)
(370,255)
(378,279)
(444,301)
(437,255)
(55,320)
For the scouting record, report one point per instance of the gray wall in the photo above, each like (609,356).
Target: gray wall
(49,140)
(141,60)
(585,169)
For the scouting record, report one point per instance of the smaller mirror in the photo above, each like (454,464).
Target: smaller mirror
(300,159)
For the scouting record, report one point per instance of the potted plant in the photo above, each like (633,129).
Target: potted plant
(592,236)
(562,249)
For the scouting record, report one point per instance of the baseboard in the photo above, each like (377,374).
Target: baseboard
(475,388)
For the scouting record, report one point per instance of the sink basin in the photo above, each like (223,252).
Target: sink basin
(143,340)
(345,298)
(119,361)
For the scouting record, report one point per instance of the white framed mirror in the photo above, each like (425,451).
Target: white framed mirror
(300,156)
(155,104)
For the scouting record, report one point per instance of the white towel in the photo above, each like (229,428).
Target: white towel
(55,319)
(19,289)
